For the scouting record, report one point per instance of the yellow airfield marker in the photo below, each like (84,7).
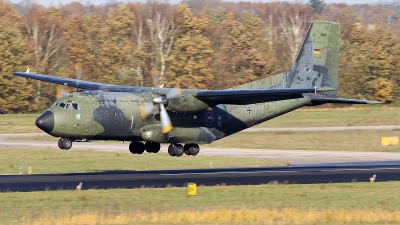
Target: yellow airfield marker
(192,189)
(385,141)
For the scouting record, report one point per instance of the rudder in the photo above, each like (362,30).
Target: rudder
(317,61)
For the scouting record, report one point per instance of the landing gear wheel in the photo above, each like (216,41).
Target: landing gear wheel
(152,147)
(66,143)
(186,149)
(60,144)
(191,149)
(139,148)
(171,150)
(132,147)
(194,149)
(157,147)
(136,147)
(178,150)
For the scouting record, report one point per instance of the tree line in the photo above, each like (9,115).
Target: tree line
(197,43)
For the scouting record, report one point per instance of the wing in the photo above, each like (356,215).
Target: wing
(79,83)
(252,96)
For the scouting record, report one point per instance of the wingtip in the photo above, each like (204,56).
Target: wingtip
(374,102)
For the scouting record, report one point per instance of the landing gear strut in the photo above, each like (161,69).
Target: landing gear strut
(65,143)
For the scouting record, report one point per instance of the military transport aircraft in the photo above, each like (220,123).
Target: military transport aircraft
(149,116)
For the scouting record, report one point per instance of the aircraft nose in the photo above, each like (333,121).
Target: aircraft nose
(46,121)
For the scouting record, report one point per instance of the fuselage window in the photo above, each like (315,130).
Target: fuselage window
(62,105)
(75,105)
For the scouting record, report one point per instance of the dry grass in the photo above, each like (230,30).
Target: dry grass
(227,216)
(381,200)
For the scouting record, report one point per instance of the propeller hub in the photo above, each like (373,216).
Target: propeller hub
(159,100)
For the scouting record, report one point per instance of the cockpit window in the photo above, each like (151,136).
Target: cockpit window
(55,104)
(67,105)
(75,106)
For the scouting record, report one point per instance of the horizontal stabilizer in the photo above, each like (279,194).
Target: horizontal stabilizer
(252,96)
(343,101)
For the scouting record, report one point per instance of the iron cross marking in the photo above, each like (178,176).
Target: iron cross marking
(249,110)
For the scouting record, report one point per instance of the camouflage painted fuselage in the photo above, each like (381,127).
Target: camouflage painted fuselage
(115,116)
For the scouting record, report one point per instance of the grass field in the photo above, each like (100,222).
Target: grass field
(349,116)
(18,123)
(352,140)
(57,161)
(309,117)
(354,203)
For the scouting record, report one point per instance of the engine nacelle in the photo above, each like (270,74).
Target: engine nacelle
(153,133)
(186,104)
(198,135)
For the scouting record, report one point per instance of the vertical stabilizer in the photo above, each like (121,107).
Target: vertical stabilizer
(317,61)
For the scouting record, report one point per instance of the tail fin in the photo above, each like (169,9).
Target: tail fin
(317,61)
(316,65)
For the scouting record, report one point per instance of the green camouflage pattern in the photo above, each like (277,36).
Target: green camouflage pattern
(104,115)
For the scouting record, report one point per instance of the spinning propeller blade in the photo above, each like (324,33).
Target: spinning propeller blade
(166,124)
(174,93)
(145,109)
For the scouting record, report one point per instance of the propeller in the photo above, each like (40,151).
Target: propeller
(147,108)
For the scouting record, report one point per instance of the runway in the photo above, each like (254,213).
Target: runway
(309,174)
(306,167)
(293,157)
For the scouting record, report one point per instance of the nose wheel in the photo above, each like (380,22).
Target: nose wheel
(65,143)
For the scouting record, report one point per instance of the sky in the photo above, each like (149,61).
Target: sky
(96,2)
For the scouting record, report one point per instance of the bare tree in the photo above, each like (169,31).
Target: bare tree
(162,35)
(293,21)
(42,27)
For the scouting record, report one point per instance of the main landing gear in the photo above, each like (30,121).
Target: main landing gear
(188,149)
(138,147)
(65,143)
